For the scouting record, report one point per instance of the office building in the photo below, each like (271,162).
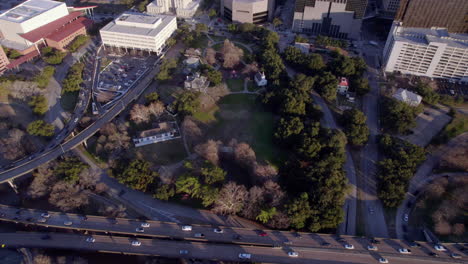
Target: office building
(390,7)
(450,14)
(181,8)
(431,52)
(139,31)
(333,18)
(37,23)
(248,11)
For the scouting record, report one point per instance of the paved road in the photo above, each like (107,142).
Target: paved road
(373,210)
(421,178)
(281,241)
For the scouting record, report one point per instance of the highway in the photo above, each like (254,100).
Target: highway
(235,237)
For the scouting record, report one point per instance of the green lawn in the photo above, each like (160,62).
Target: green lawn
(69,100)
(235,85)
(252,86)
(206,116)
(162,153)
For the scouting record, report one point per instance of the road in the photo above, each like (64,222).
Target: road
(273,240)
(373,210)
(421,178)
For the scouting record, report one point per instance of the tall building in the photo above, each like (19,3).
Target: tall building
(181,8)
(390,7)
(139,31)
(431,52)
(248,11)
(334,18)
(450,14)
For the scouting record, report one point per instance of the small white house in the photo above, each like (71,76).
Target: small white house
(260,79)
(407,97)
(343,86)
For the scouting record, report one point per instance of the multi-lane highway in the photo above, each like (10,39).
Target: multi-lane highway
(317,245)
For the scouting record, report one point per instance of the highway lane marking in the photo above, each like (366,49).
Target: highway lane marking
(161,212)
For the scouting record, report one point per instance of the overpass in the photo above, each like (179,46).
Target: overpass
(167,239)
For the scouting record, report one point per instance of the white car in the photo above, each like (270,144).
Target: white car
(245,256)
(42,220)
(405,217)
(349,246)
(140,230)
(136,243)
(45,215)
(76,120)
(183,252)
(440,248)
(404,251)
(372,248)
(90,239)
(383,260)
(186,228)
(68,223)
(218,230)
(145,225)
(293,254)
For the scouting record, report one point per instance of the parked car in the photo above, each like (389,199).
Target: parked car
(136,243)
(236,237)
(404,251)
(349,246)
(145,225)
(186,228)
(439,247)
(245,256)
(325,244)
(293,254)
(433,254)
(90,239)
(218,230)
(372,248)
(414,244)
(374,241)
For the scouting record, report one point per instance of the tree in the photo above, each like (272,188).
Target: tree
(231,199)
(232,27)
(215,77)
(287,127)
(272,63)
(166,69)
(266,214)
(256,201)
(152,97)
(315,63)
(164,192)
(208,195)
(212,173)
(397,116)
(43,180)
(212,13)
(74,79)
(199,27)
(327,85)
(44,77)
(188,184)
(138,175)
(355,126)
(277,21)
(77,43)
(301,39)
(428,94)
(187,103)
(69,170)
(156,108)
(360,85)
(114,139)
(231,54)
(40,128)
(39,104)
(13,147)
(244,155)
(294,56)
(139,114)
(209,151)
(170,42)
(342,66)
(210,56)
(246,27)
(360,66)
(299,211)
(67,197)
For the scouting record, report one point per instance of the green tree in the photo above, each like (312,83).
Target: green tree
(152,97)
(187,103)
(355,127)
(327,85)
(166,69)
(360,66)
(301,39)
(77,43)
(212,173)
(342,66)
(299,211)
(215,77)
(272,63)
(315,63)
(188,184)
(39,104)
(44,77)
(200,27)
(164,192)
(40,128)
(74,79)
(208,195)
(429,96)
(138,175)
(289,126)
(171,42)
(266,214)
(232,28)
(69,169)
(246,27)
(397,116)
(360,85)
(212,13)
(277,22)
(11,53)
(294,56)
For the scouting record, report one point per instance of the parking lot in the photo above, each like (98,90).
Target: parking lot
(120,73)
(451,88)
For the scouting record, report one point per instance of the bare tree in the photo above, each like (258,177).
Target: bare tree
(139,114)
(442,228)
(280,220)
(456,157)
(437,188)
(43,181)
(273,194)
(113,139)
(113,211)
(67,197)
(264,172)
(231,199)
(458,229)
(256,200)
(191,130)
(250,68)
(210,56)
(101,187)
(244,155)
(89,178)
(231,54)
(11,147)
(209,151)
(42,259)
(156,108)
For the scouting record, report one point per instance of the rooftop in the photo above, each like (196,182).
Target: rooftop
(138,24)
(426,35)
(70,28)
(41,32)
(28,10)
(160,128)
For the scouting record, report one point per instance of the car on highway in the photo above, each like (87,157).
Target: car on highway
(372,248)
(90,239)
(183,252)
(371,210)
(349,246)
(136,243)
(68,223)
(262,233)
(245,256)
(325,244)
(186,228)
(414,244)
(45,215)
(45,237)
(218,230)
(146,225)
(199,235)
(433,254)
(439,247)
(42,220)
(297,235)
(383,260)
(236,237)
(456,256)
(404,251)
(140,230)
(405,217)
(293,254)
(374,241)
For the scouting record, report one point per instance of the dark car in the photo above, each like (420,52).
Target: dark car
(325,244)
(340,239)
(374,241)
(433,254)
(297,235)
(414,244)
(45,237)
(236,237)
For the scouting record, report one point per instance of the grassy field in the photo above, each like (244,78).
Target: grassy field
(69,101)
(458,126)
(162,153)
(206,116)
(235,85)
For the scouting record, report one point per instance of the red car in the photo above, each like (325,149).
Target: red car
(262,234)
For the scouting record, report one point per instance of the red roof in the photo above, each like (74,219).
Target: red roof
(70,28)
(22,59)
(42,32)
(343,81)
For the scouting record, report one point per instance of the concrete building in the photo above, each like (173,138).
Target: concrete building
(3,61)
(431,52)
(139,31)
(163,132)
(248,11)
(196,82)
(407,97)
(390,7)
(181,8)
(333,18)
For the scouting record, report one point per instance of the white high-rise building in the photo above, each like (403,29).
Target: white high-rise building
(182,8)
(431,52)
(139,31)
